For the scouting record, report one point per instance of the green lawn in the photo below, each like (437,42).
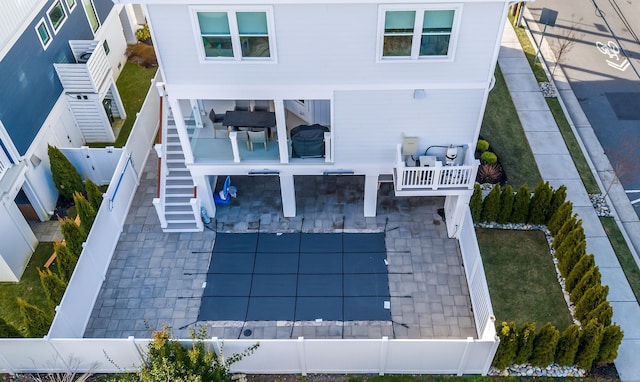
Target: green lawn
(29,287)
(501,127)
(623,254)
(521,277)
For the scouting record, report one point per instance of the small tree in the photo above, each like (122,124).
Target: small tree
(562,214)
(611,339)
(572,255)
(475,204)
(521,205)
(65,176)
(94,195)
(566,228)
(74,236)
(35,320)
(8,331)
(65,260)
(506,205)
(539,204)
(508,345)
(579,270)
(544,346)
(593,297)
(54,288)
(589,344)
(603,313)
(568,345)
(85,211)
(558,198)
(526,336)
(491,205)
(590,279)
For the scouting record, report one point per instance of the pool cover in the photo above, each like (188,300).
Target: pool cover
(297,277)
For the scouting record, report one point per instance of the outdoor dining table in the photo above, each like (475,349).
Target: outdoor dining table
(251,119)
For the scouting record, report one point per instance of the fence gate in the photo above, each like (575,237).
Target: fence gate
(96,163)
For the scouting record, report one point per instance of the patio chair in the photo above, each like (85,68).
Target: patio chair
(260,105)
(258,136)
(217,119)
(242,105)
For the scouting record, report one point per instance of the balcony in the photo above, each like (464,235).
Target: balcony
(434,177)
(90,73)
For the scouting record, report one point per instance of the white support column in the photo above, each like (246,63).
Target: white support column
(205,194)
(454,210)
(288,192)
(281,130)
(370,195)
(233,136)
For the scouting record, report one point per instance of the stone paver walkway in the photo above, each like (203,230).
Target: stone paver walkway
(156,278)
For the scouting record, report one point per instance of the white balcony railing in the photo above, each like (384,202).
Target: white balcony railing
(90,73)
(435,177)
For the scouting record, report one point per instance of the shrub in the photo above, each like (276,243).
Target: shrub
(591,278)
(94,195)
(593,297)
(74,236)
(508,345)
(8,331)
(482,145)
(589,344)
(475,203)
(603,313)
(167,360)
(85,211)
(142,54)
(491,205)
(562,214)
(539,204)
(488,157)
(54,288)
(544,346)
(567,227)
(579,270)
(65,176)
(489,173)
(35,320)
(65,260)
(571,255)
(143,34)
(611,339)
(568,345)
(558,198)
(506,204)
(526,336)
(521,205)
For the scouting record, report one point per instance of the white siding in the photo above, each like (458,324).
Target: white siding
(15,15)
(369,125)
(325,45)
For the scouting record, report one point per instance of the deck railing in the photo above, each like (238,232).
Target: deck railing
(435,177)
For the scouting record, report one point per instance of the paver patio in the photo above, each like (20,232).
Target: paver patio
(156,278)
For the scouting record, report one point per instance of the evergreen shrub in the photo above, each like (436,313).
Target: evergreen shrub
(603,313)
(593,297)
(482,145)
(94,195)
(506,352)
(539,204)
(544,346)
(521,205)
(85,211)
(526,336)
(611,339)
(475,204)
(34,319)
(8,331)
(488,157)
(579,270)
(506,205)
(65,176)
(491,205)
(54,288)
(589,344)
(568,345)
(74,236)
(65,260)
(590,279)
(562,214)
(558,198)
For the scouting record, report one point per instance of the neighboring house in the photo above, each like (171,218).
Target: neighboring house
(58,63)
(400,88)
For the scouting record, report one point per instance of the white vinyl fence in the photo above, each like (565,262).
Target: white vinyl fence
(98,164)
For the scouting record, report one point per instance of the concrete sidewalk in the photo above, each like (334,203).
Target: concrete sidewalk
(556,166)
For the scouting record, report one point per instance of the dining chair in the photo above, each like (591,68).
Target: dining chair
(261,105)
(242,105)
(217,119)
(258,136)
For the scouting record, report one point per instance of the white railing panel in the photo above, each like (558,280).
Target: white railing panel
(271,357)
(106,355)
(351,356)
(425,356)
(26,354)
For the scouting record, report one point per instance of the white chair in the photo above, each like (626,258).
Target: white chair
(258,137)
(242,105)
(260,105)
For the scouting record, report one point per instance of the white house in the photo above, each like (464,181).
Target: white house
(398,88)
(58,63)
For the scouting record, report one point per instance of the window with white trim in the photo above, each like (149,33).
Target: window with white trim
(71,4)
(417,33)
(44,35)
(57,15)
(235,35)
(92,15)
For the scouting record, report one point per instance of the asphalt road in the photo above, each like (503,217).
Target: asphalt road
(599,49)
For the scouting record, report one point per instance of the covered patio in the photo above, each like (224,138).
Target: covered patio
(157,278)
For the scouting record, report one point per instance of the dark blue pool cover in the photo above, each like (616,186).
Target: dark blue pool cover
(297,277)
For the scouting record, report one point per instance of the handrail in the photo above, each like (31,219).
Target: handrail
(115,192)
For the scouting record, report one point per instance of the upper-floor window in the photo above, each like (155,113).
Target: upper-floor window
(42,30)
(71,4)
(417,33)
(57,15)
(236,35)
(92,15)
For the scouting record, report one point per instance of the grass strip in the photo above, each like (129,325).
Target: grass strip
(502,128)
(522,278)
(29,287)
(623,254)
